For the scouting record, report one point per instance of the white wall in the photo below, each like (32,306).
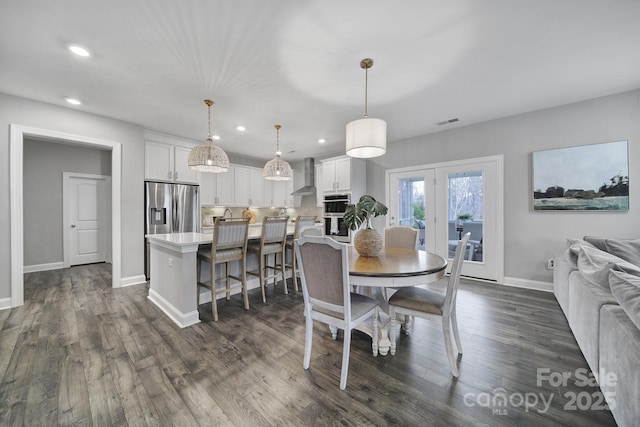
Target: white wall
(20,111)
(533,237)
(44,163)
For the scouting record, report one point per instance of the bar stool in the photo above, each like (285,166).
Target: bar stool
(229,244)
(302,221)
(272,242)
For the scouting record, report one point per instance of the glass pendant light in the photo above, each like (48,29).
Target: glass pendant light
(277,169)
(366,137)
(208,157)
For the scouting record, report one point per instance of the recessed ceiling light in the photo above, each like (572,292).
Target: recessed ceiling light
(322,140)
(216,137)
(79,50)
(241,128)
(73,101)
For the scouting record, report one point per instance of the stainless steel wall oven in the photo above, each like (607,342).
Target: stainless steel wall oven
(334,225)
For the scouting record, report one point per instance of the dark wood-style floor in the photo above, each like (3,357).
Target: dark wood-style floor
(79,352)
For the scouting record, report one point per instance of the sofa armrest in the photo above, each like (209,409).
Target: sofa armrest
(562,267)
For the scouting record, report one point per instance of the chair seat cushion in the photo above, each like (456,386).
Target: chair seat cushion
(223,255)
(418,299)
(269,248)
(360,304)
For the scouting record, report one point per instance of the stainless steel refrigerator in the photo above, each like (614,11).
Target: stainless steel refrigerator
(170,208)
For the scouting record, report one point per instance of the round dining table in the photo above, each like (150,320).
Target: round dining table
(392,268)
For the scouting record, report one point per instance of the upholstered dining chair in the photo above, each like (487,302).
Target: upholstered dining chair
(425,303)
(302,221)
(310,231)
(401,236)
(229,243)
(324,274)
(272,242)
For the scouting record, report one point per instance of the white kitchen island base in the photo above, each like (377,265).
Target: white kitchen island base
(173,264)
(173,267)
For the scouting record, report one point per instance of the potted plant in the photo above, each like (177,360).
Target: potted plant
(367,241)
(462,218)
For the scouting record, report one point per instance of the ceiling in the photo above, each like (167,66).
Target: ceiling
(296,63)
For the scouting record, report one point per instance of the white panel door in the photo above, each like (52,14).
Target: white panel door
(87,214)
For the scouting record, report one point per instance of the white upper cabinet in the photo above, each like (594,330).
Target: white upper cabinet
(280,194)
(166,159)
(181,170)
(249,187)
(217,188)
(319,186)
(343,175)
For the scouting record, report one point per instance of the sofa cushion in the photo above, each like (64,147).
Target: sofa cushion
(627,249)
(595,265)
(598,242)
(626,289)
(573,250)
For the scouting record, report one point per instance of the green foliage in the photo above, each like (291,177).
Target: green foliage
(360,213)
(465,217)
(418,210)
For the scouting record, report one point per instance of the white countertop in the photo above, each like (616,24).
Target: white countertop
(190,239)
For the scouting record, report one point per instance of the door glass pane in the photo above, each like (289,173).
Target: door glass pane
(465,212)
(411,206)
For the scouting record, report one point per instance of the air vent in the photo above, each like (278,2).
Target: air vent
(446,122)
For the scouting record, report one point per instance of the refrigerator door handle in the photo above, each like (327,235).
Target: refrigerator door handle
(174,207)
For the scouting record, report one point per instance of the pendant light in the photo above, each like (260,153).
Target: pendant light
(366,137)
(277,169)
(208,157)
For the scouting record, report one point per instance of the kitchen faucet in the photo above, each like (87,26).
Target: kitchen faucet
(224,215)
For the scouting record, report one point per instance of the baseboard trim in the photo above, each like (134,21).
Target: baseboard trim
(528,284)
(132,280)
(43,267)
(5,303)
(181,319)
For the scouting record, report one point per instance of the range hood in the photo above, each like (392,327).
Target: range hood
(309,179)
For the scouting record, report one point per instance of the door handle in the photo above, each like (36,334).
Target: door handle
(73,226)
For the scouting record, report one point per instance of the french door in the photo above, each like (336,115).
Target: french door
(447,200)
(411,204)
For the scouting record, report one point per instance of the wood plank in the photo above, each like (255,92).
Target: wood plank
(80,352)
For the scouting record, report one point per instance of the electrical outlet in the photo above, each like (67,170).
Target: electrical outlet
(550,264)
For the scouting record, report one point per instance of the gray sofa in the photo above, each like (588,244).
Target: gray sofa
(597,284)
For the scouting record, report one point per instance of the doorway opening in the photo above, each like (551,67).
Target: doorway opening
(16,165)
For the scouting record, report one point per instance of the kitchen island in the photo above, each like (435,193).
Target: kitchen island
(173,264)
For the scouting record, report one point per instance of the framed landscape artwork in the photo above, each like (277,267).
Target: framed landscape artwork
(585,178)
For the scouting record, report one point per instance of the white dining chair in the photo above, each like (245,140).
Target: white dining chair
(400,236)
(324,274)
(426,303)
